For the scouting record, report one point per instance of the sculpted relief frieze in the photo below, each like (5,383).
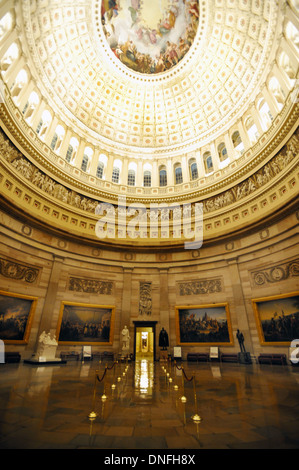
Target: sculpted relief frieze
(202,286)
(17,271)
(90,286)
(72,198)
(275,273)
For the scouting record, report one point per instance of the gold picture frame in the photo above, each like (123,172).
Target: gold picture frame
(277,318)
(85,324)
(204,325)
(16,316)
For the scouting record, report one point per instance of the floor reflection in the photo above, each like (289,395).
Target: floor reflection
(240,406)
(144,378)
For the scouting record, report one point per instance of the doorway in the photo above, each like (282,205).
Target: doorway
(144,340)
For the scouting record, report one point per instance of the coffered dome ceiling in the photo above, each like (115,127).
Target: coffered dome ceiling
(192,100)
(186,101)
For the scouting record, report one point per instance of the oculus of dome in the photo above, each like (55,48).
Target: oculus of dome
(150,37)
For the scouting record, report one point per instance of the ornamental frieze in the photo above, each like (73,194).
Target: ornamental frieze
(90,286)
(17,271)
(276,273)
(67,196)
(204,286)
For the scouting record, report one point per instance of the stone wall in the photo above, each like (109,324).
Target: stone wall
(148,286)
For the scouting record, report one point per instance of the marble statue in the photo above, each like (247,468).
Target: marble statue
(47,346)
(125,339)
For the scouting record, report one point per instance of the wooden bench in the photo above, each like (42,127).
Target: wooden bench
(272,359)
(226,357)
(103,356)
(70,356)
(12,357)
(197,357)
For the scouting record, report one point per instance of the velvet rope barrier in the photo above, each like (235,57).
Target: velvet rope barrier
(182,368)
(100,380)
(109,368)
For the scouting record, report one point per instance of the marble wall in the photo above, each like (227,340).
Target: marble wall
(147,286)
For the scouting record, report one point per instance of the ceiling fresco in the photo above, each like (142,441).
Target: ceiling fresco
(150,37)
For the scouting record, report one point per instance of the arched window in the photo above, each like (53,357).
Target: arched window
(292,34)
(5,24)
(285,63)
(57,138)
(44,124)
(178,174)
(87,155)
(115,175)
(277,92)
(222,152)
(84,164)
(251,128)
(100,170)
(117,165)
(30,106)
(132,170)
(131,177)
(163,177)
(102,162)
(193,169)
(237,142)
(265,113)
(147,178)
(19,83)
(9,57)
(208,162)
(72,150)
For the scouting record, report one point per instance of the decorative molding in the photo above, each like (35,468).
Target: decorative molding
(202,286)
(145,298)
(17,271)
(276,273)
(90,286)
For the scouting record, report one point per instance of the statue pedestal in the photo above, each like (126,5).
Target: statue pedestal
(163,355)
(244,358)
(124,353)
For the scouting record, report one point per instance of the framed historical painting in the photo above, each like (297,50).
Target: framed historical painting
(277,319)
(85,324)
(204,325)
(16,314)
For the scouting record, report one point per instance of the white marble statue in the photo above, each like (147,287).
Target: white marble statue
(47,346)
(125,339)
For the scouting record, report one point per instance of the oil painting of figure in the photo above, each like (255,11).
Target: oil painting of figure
(204,325)
(279,319)
(84,324)
(14,316)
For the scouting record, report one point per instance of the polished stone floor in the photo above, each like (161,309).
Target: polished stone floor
(240,406)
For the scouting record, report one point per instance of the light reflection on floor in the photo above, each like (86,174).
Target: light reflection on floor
(241,406)
(144,377)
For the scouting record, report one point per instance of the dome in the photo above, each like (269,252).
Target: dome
(99,126)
